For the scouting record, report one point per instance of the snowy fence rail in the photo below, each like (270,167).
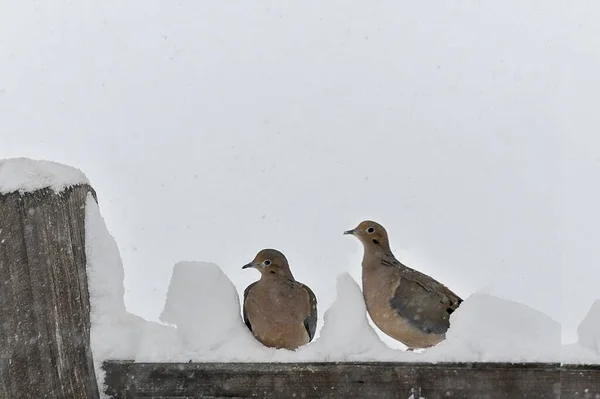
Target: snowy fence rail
(339,380)
(46,338)
(129,380)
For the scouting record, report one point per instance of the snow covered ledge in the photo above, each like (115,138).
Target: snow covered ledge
(54,246)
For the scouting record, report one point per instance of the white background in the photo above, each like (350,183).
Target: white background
(214,129)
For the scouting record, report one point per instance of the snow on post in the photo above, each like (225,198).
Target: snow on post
(44,303)
(114,331)
(26,176)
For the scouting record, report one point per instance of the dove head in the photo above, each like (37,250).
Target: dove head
(270,262)
(372,235)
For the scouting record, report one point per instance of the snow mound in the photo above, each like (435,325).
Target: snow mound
(203,303)
(346,334)
(159,343)
(26,175)
(205,306)
(115,333)
(577,354)
(589,329)
(104,266)
(587,348)
(490,329)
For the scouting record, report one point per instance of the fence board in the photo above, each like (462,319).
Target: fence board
(336,380)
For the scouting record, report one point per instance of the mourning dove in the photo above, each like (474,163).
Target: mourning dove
(280,311)
(407,305)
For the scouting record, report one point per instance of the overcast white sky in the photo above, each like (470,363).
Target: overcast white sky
(214,129)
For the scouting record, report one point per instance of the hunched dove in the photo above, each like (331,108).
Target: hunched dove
(279,311)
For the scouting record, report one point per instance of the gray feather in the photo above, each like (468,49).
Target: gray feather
(246,291)
(310,323)
(422,301)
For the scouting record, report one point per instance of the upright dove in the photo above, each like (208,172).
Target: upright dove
(404,303)
(279,311)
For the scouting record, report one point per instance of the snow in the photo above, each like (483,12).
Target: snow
(115,333)
(577,354)
(587,348)
(105,269)
(204,305)
(589,329)
(486,328)
(203,322)
(346,334)
(26,175)
(192,305)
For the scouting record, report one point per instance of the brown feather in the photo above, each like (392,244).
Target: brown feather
(279,311)
(404,303)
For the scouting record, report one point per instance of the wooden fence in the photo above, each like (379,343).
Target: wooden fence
(45,336)
(351,380)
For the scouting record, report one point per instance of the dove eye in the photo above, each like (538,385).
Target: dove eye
(267,262)
(370,230)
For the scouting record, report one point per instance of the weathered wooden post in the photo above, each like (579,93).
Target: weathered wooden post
(44,302)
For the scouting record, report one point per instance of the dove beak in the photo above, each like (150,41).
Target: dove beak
(351,232)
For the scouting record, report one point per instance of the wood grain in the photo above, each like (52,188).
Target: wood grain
(333,380)
(44,302)
(580,381)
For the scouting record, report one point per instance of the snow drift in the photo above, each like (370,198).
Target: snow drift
(115,333)
(587,348)
(203,313)
(491,329)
